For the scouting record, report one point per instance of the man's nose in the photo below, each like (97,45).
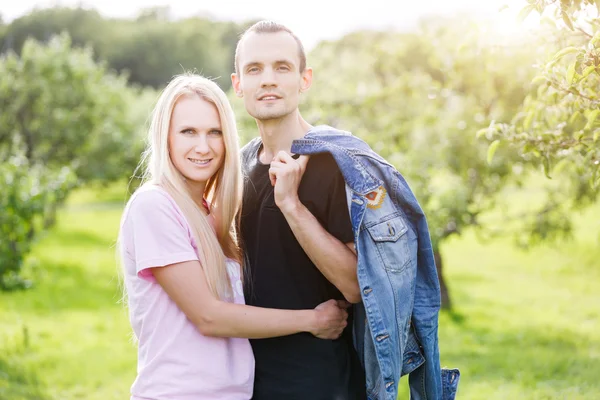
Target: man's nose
(268,78)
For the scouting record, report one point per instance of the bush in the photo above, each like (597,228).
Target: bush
(28,195)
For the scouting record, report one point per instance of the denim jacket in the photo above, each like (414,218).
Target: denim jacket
(396,325)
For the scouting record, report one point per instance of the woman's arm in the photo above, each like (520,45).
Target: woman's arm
(186,285)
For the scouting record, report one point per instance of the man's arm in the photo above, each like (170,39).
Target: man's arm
(336,261)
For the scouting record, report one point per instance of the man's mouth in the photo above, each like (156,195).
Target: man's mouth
(269,97)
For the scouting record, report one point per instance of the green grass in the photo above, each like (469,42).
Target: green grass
(525,324)
(68,337)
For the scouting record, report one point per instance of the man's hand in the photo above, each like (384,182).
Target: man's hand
(285,175)
(331,319)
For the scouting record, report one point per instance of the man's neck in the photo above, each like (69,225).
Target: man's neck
(278,134)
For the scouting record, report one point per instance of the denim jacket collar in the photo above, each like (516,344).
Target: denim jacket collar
(357,177)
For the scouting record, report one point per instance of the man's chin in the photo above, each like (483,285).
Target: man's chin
(269,115)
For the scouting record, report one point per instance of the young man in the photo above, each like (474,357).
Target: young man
(295,225)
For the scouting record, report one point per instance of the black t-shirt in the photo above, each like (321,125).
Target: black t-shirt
(280,275)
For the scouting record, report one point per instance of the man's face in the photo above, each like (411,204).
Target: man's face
(268,75)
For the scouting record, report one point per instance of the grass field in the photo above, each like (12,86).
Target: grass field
(524,326)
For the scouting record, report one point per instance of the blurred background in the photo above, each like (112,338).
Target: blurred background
(489,109)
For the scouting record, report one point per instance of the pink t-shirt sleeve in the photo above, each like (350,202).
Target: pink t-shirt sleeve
(159,234)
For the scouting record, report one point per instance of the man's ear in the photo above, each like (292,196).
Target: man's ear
(307,77)
(235,83)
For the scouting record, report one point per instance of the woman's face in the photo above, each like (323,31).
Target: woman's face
(196,145)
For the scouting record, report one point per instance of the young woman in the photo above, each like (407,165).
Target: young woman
(181,258)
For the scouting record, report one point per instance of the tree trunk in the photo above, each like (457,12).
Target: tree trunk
(446,303)
(50,217)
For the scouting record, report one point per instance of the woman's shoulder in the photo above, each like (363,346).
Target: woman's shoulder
(150,195)
(148,199)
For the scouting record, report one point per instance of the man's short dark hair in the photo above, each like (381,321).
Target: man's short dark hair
(271,27)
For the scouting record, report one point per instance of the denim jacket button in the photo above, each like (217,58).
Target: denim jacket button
(367,290)
(390,383)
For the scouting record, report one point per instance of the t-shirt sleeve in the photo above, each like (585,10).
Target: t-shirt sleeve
(159,234)
(338,217)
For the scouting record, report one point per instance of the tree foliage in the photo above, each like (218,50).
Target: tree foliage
(63,109)
(418,99)
(65,120)
(558,123)
(150,49)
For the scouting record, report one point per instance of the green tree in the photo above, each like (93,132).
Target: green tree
(65,120)
(84,27)
(64,109)
(150,49)
(558,124)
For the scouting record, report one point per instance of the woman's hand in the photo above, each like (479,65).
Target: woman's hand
(331,319)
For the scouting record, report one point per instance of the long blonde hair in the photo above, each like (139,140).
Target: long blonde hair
(223,190)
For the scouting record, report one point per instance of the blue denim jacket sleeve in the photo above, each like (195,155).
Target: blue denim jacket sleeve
(396,325)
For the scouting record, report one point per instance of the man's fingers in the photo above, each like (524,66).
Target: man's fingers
(294,161)
(285,156)
(272,176)
(343,304)
(273,171)
(282,157)
(300,159)
(303,160)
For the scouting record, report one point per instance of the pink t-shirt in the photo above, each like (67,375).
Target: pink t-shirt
(175,361)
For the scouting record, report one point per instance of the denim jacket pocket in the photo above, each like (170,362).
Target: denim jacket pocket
(389,235)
